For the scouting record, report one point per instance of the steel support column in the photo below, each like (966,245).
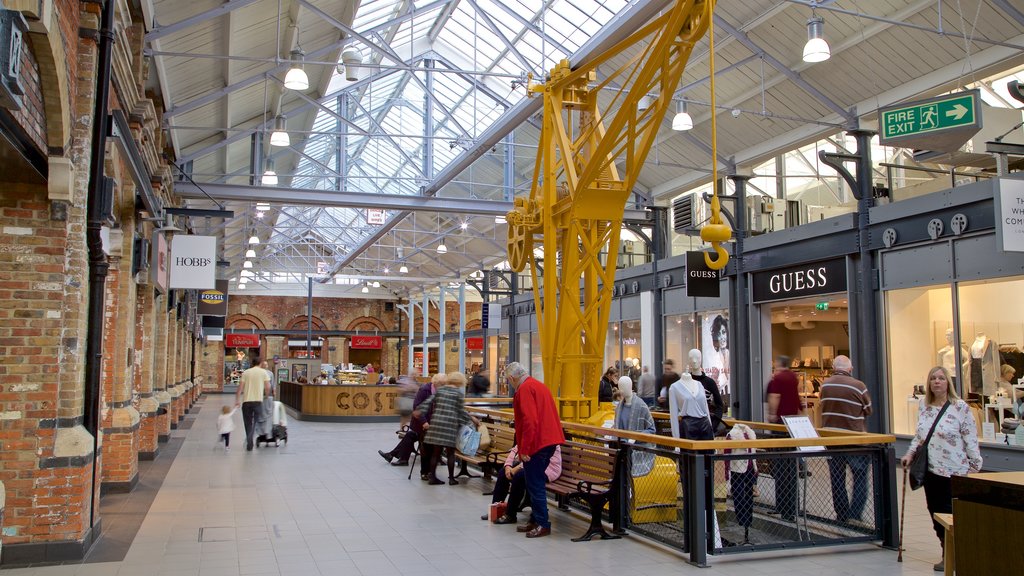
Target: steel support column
(462,328)
(739,310)
(426,330)
(442,364)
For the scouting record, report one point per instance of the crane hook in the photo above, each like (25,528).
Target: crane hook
(716,234)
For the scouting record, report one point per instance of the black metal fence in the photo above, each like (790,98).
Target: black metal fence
(720,502)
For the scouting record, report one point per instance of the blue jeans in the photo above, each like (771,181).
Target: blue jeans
(846,507)
(535,483)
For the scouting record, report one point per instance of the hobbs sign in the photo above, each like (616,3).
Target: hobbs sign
(798,281)
(194,262)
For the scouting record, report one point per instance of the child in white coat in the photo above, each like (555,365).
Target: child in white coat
(226,424)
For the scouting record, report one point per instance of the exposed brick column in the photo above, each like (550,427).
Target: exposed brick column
(161,361)
(145,337)
(211,366)
(174,376)
(120,418)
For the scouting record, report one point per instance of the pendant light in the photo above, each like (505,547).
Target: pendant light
(254,239)
(682,121)
(816,49)
(279,137)
(441,248)
(376,284)
(365,290)
(296,78)
(250,253)
(403,269)
(269,176)
(247,274)
(241,286)
(247,264)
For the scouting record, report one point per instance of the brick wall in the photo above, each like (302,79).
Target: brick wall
(31,117)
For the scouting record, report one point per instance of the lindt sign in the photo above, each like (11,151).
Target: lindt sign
(366,342)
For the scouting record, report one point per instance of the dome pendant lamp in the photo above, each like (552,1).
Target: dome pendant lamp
(296,78)
(682,121)
(279,137)
(816,49)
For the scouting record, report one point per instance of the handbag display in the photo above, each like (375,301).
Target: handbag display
(919,465)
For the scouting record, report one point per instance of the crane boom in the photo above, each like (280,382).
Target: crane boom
(578,197)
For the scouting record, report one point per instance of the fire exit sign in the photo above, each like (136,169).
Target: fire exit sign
(821,305)
(901,125)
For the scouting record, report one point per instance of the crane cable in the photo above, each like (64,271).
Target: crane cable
(716,231)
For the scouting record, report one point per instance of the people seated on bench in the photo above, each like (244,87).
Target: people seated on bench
(538,433)
(512,483)
(446,413)
(407,442)
(632,414)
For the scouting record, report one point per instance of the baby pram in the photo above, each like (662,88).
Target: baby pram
(273,426)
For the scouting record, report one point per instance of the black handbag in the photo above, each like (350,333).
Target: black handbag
(919,465)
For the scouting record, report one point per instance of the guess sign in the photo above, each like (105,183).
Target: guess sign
(366,342)
(798,281)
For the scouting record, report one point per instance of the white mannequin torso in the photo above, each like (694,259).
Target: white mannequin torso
(978,348)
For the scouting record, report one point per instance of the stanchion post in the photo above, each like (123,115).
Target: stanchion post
(696,504)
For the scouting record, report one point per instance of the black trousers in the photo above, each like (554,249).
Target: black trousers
(514,489)
(226,437)
(250,414)
(938,493)
(405,446)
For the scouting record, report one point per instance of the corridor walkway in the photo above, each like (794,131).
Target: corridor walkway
(326,504)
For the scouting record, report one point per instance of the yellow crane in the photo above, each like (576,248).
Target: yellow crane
(577,201)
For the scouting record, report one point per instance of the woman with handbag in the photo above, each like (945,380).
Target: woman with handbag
(447,414)
(947,442)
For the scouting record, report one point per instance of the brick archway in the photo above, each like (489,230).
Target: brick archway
(473,325)
(244,322)
(300,322)
(367,323)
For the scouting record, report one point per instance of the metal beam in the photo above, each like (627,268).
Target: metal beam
(482,14)
(225,8)
(1011,11)
(794,77)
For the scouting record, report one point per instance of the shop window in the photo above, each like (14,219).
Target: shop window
(612,356)
(680,338)
(920,335)
(992,330)
(536,361)
(629,338)
(523,348)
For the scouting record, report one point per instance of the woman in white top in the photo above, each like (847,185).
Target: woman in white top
(953,448)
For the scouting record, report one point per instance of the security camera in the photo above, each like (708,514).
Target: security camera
(736,112)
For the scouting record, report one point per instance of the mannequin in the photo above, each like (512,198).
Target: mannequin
(711,392)
(984,366)
(946,357)
(632,414)
(688,407)
(742,479)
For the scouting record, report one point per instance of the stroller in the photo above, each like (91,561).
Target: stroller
(273,425)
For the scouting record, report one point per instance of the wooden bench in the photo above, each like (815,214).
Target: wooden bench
(491,460)
(590,472)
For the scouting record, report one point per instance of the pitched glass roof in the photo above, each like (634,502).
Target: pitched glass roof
(474,52)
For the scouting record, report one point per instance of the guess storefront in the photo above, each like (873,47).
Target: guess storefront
(804,315)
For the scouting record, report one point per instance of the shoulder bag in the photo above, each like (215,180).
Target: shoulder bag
(919,465)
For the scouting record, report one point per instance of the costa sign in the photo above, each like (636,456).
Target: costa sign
(242,340)
(366,342)
(799,281)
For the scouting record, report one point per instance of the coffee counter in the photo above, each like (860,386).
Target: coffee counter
(340,403)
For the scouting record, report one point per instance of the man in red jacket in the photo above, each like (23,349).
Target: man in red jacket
(538,433)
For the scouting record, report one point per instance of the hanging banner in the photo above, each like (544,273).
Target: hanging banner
(1010,215)
(193,262)
(214,302)
(701,280)
(242,340)
(158,262)
(366,342)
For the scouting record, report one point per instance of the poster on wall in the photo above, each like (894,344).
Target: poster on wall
(714,340)
(1010,215)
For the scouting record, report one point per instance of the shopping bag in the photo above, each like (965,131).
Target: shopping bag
(497,510)
(468,441)
(485,437)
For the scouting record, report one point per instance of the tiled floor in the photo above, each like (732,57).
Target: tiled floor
(327,504)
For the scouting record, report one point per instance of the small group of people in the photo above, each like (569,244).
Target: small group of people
(439,413)
(255,397)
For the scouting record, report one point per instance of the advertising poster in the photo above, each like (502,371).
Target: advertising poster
(714,340)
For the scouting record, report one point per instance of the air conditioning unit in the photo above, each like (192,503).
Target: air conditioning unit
(684,214)
(787,214)
(759,209)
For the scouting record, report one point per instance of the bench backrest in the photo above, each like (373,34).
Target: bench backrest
(587,462)
(502,437)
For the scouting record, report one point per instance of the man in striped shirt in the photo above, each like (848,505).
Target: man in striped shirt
(845,403)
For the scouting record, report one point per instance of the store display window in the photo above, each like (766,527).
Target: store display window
(536,361)
(919,324)
(612,356)
(680,338)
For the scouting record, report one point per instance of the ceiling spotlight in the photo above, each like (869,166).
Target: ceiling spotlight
(254,239)
(499,220)
(250,253)
(365,290)
(376,284)
(403,269)
(259,214)
(279,137)
(645,102)
(351,59)
(247,264)
(269,176)
(262,205)
(241,286)
(464,225)
(441,248)
(816,49)
(387,270)
(682,121)
(296,78)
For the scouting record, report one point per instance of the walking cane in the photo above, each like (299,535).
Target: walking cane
(903,516)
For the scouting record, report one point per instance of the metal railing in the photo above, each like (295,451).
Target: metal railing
(778,497)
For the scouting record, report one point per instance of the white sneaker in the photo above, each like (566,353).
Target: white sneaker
(227,449)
